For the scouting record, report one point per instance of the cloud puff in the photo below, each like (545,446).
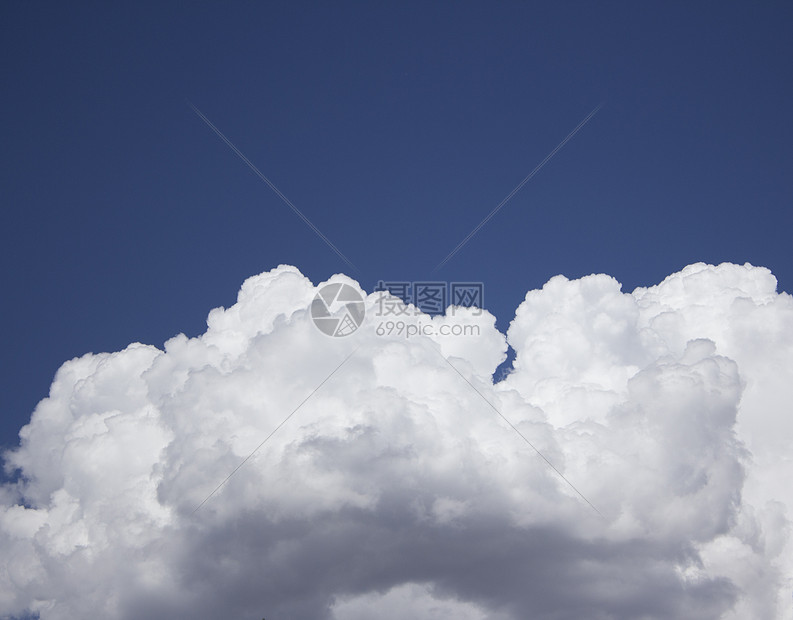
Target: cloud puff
(396,488)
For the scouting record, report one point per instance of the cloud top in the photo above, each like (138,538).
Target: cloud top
(395,489)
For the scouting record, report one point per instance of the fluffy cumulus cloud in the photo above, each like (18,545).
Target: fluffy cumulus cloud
(634,464)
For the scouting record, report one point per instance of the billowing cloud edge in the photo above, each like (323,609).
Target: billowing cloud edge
(407,482)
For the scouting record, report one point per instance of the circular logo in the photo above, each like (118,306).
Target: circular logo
(337,309)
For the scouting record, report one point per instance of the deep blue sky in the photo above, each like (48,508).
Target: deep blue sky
(395,127)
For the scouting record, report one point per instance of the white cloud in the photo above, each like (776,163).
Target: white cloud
(415,601)
(396,489)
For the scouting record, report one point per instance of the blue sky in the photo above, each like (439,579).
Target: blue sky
(395,128)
